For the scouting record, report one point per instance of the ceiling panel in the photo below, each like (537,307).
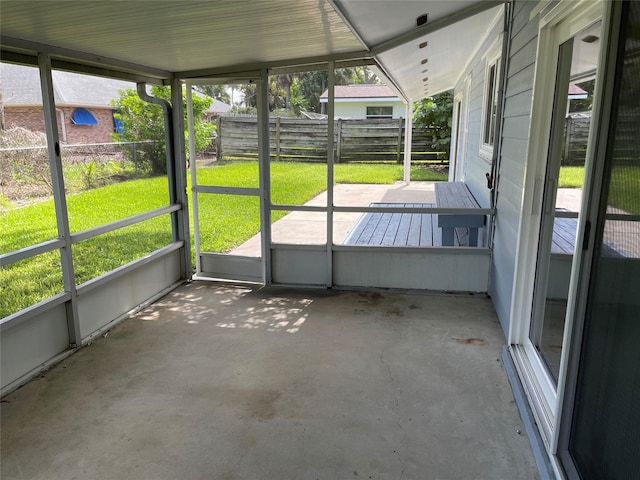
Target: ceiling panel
(447,52)
(448,48)
(178,36)
(381,20)
(170,36)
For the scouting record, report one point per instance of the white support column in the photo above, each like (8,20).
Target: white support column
(59,197)
(330,175)
(194,177)
(408,131)
(265,173)
(179,166)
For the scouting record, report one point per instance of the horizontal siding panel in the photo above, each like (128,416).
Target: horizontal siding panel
(524,36)
(521,81)
(513,172)
(517,127)
(523,58)
(517,105)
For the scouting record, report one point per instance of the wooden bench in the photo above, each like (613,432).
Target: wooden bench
(457,195)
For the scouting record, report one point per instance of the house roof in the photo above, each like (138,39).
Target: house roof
(21,86)
(203,39)
(361,92)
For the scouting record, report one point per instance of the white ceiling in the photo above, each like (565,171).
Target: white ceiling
(449,45)
(164,38)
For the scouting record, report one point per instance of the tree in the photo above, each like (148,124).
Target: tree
(144,121)
(313,84)
(219,92)
(435,113)
(364,75)
(301,91)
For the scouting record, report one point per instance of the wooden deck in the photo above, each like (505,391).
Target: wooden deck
(564,239)
(421,230)
(399,229)
(564,235)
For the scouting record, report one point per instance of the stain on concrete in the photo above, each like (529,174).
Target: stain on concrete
(260,404)
(393,312)
(470,341)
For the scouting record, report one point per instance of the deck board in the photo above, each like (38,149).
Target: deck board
(397,229)
(421,230)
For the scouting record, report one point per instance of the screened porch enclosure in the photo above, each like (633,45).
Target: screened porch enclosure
(40,335)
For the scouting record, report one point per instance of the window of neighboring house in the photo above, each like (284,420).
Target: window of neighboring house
(379,112)
(118,127)
(83,117)
(490,104)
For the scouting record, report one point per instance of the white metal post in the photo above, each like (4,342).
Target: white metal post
(59,196)
(180,176)
(194,177)
(408,133)
(265,174)
(330,176)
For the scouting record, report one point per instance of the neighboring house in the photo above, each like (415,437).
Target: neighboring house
(83,103)
(365,101)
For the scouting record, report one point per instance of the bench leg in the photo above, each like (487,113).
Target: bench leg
(473,237)
(447,236)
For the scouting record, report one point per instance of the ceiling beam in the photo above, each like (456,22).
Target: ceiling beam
(78,58)
(434,26)
(32,60)
(294,64)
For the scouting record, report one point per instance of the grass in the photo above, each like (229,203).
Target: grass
(226,221)
(623,190)
(571,177)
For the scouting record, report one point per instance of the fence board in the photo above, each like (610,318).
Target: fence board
(306,140)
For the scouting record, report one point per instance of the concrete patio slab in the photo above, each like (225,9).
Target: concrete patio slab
(228,382)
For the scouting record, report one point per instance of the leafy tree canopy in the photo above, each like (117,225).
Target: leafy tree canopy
(219,92)
(301,91)
(435,113)
(144,121)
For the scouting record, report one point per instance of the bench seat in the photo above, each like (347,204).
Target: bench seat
(457,195)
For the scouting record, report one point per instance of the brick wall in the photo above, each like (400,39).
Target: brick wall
(32,118)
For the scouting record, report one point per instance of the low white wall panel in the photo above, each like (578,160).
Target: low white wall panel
(231,267)
(102,305)
(27,345)
(423,269)
(299,266)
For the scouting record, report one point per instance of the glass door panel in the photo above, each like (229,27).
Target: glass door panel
(564,178)
(605,431)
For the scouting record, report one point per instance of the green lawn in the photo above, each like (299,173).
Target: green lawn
(623,188)
(571,177)
(226,221)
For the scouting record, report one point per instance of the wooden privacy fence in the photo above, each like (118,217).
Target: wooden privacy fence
(292,139)
(576,137)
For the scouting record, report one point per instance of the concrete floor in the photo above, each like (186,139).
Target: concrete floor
(228,382)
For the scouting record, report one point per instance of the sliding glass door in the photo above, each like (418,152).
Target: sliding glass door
(573,100)
(604,428)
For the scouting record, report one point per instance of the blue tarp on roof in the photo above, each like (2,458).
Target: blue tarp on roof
(83,117)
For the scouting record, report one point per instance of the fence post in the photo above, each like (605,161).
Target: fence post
(567,141)
(134,147)
(400,123)
(219,139)
(338,139)
(277,139)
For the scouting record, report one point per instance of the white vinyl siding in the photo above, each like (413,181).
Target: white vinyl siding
(515,139)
